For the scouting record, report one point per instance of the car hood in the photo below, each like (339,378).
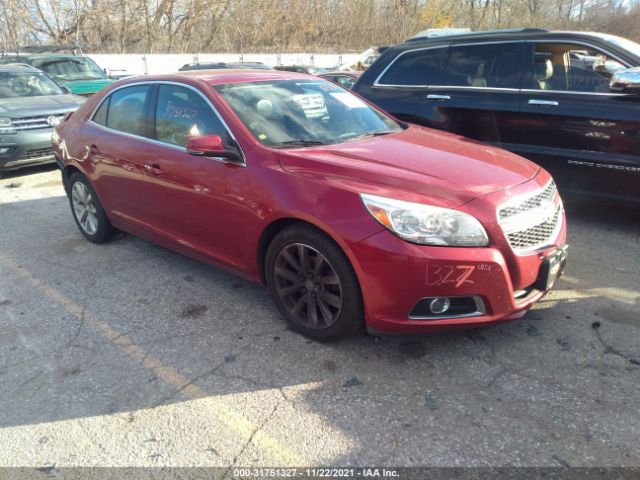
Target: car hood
(416,164)
(32,106)
(85,87)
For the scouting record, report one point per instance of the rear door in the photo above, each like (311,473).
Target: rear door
(402,87)
(469,89)
(480,94)
(572,124)
(116,145)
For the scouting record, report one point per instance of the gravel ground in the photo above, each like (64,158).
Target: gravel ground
(127,354)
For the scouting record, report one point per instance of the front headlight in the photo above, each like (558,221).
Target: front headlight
(6,126)
(426,224)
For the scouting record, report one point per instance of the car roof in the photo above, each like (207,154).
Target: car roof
(349,73)
(55,56)
(224,65)
(474,34)
(18,67)
(506,34)
(38,56)
(221,77)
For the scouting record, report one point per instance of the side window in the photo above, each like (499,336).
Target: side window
(100,117)
(488,66)
(572,68)
(416,68)
(181,112)
(127,110)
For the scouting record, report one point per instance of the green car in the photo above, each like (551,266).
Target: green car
(80,74)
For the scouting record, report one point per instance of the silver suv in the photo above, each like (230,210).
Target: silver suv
(31,104)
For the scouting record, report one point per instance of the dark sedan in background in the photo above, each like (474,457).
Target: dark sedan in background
(308,69)
(569,101)
(345,79)
(224,66)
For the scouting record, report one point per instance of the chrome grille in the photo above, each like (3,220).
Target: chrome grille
(532,222)
(36,153)
(535,236)
(535,201)
(32,123)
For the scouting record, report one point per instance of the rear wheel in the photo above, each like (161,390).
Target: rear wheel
(87,210)
(313,284)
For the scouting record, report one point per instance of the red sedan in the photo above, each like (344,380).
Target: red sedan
(348,216)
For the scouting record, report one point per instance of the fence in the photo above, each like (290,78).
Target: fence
(138,64)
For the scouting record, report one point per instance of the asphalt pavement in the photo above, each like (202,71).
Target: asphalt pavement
(127,354)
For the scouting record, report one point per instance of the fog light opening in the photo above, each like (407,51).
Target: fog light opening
(439,305)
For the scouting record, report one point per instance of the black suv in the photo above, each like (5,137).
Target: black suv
(569,101)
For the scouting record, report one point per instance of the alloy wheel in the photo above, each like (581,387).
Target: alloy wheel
(308,286)
(84,208)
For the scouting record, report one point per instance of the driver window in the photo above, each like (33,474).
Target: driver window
(181,112)
(573,68)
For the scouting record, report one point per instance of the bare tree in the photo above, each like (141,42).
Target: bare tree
(287,25)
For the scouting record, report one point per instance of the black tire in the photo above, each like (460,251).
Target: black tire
(330,321)
(103,230)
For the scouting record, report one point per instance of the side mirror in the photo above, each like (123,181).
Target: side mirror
(211,146)
(626,81)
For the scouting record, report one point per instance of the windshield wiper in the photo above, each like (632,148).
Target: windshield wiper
(298,143)
(370,134)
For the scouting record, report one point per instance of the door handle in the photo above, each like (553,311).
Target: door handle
(548,103)
(153,169)
(434,96)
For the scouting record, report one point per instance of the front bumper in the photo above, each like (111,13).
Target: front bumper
(493,283)
(395,275)
(26,148)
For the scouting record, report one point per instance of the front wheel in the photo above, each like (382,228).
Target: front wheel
(87,210)
(313,284)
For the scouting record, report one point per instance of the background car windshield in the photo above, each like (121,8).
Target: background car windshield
(27,84)
(625,43)
(69,69)
(285,111)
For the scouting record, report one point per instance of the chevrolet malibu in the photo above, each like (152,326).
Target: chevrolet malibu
(350,218)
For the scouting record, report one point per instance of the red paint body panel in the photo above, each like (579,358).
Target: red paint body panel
(395,275)
(217,211)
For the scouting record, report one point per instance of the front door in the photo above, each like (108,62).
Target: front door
(572,124)
(199,202)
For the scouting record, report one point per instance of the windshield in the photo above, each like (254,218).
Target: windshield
(70,68)
(27,84)
(624,43)
(289,113)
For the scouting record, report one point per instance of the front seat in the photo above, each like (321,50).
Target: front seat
(478,80)
(543,73)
